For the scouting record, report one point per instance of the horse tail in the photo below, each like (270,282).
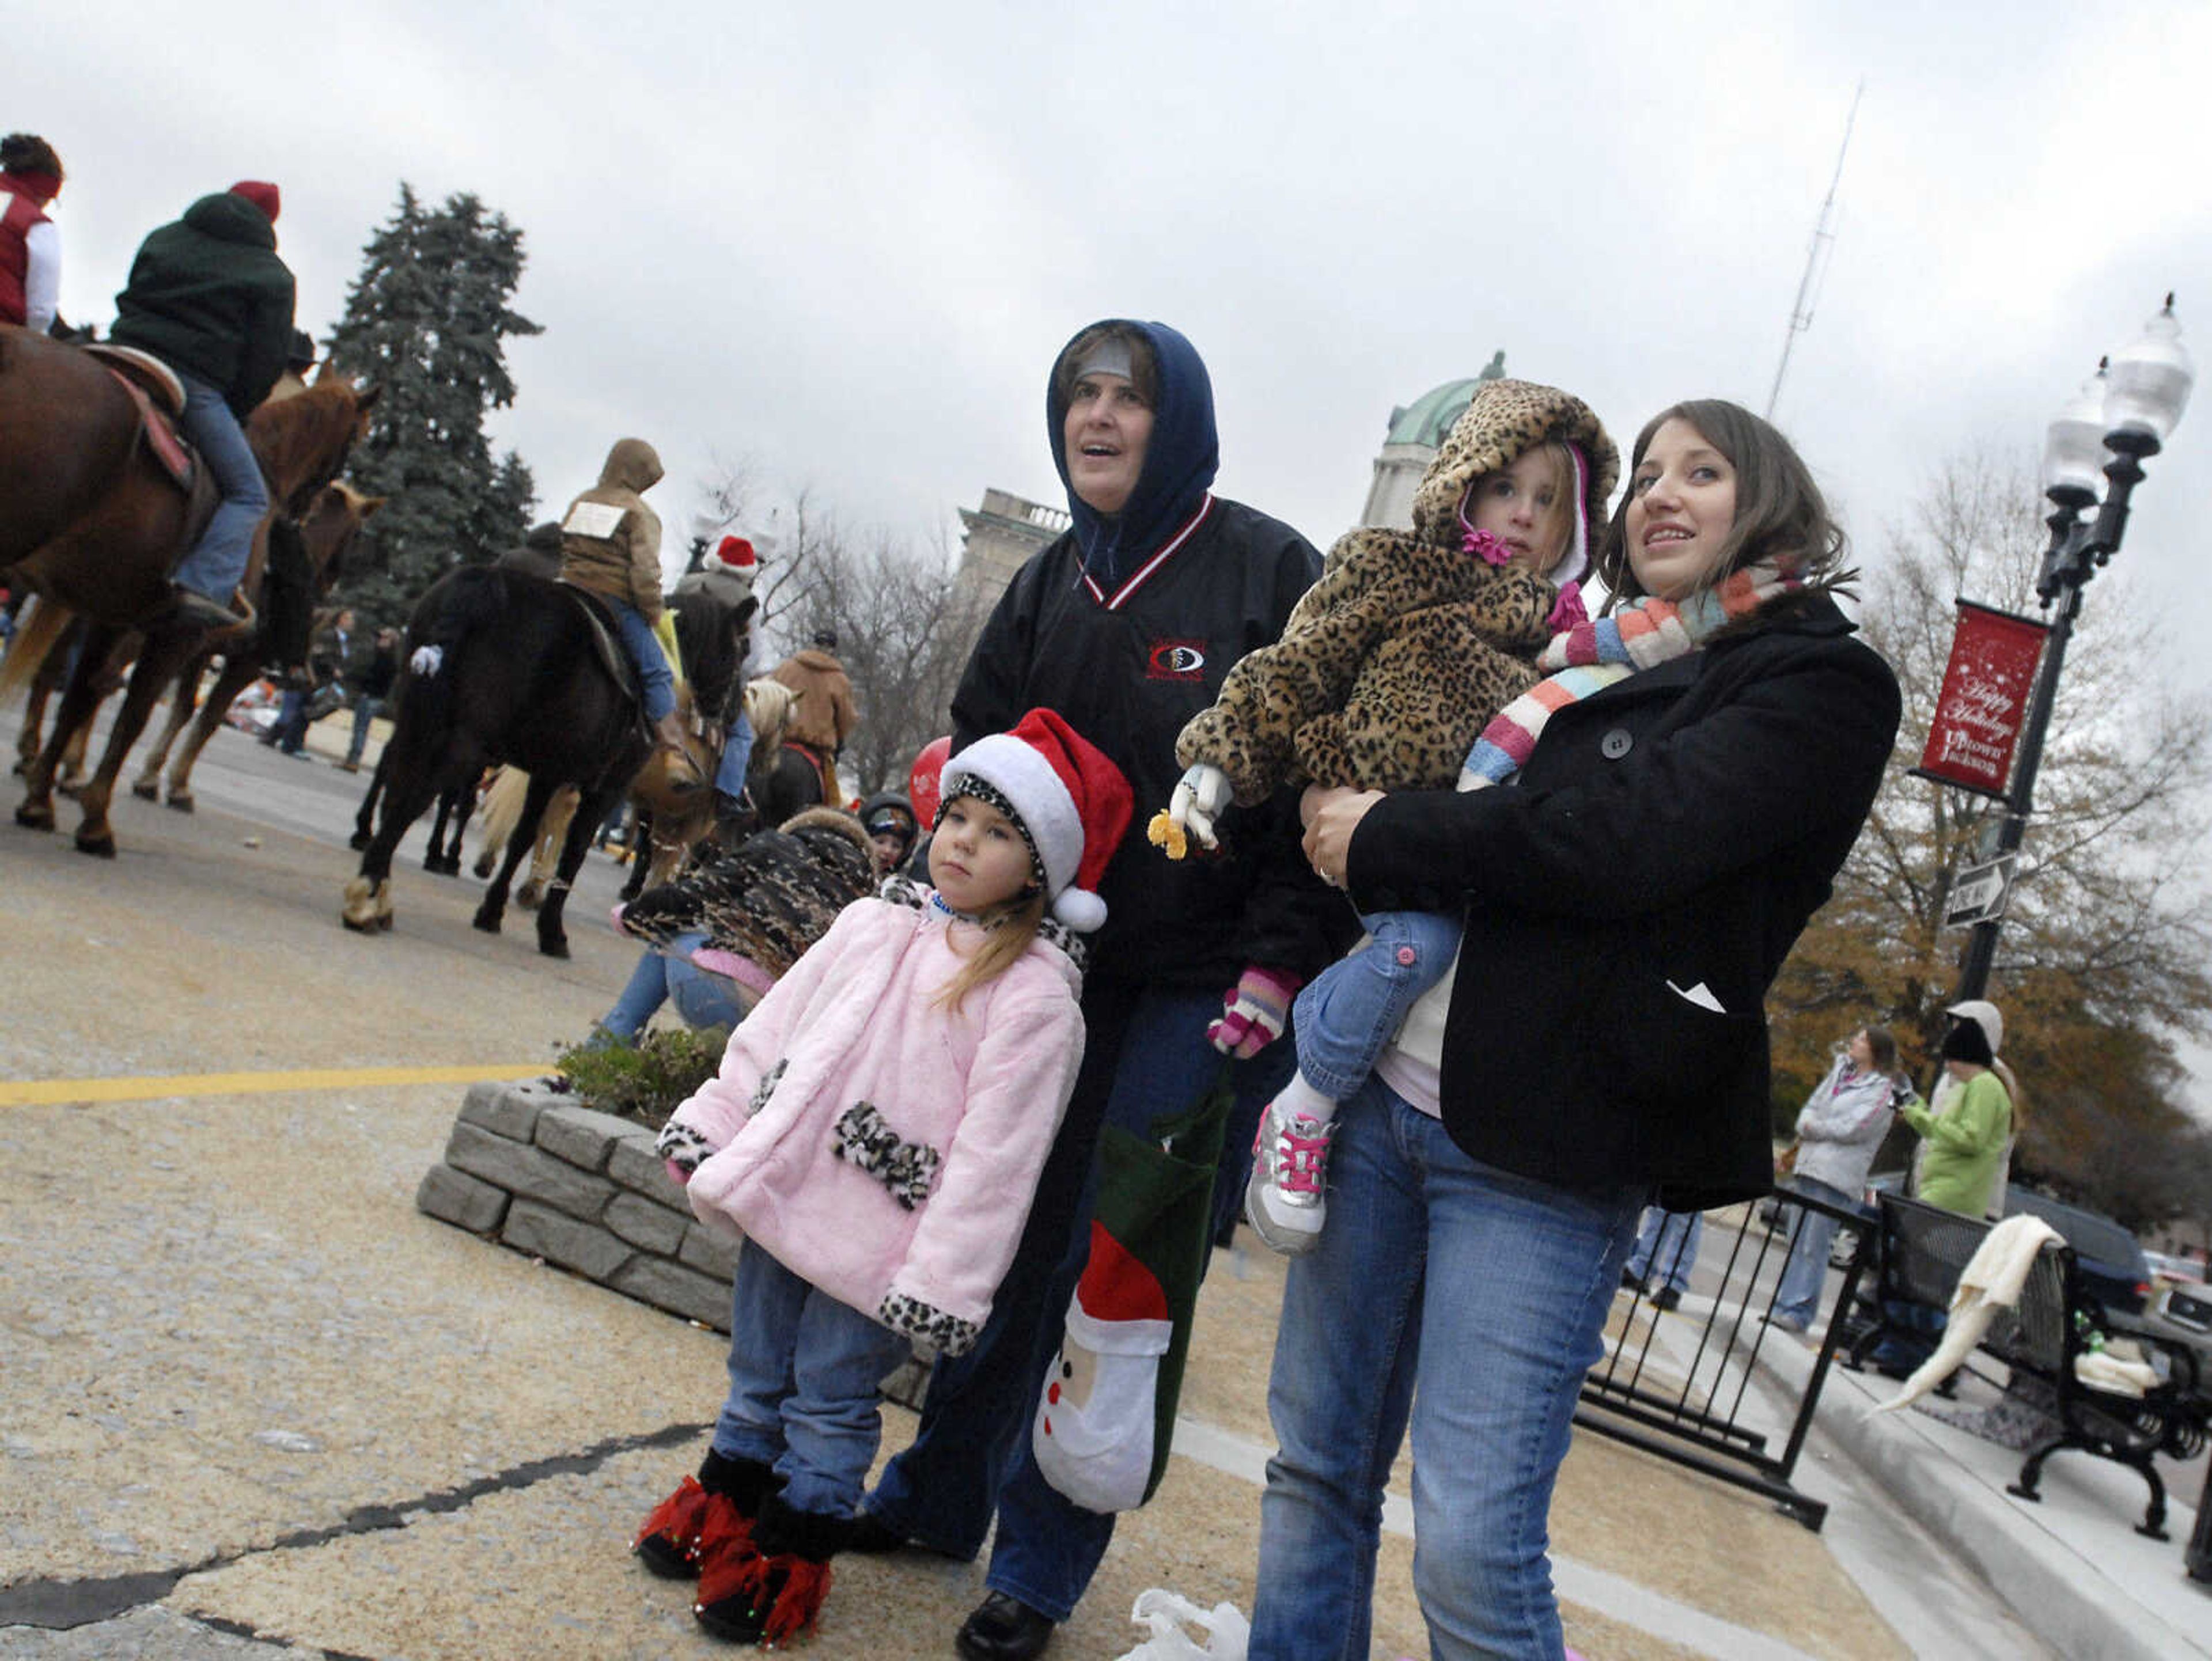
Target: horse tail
(501,810)
(32,641)
(456,606)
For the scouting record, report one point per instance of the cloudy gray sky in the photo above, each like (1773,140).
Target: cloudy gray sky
(844,241)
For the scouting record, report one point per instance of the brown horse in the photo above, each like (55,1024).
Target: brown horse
(92,523)
(326,533)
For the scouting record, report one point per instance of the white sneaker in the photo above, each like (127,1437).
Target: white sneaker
(1285,1201)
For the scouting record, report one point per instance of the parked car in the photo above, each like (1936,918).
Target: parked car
(2184,1313)
(2111,1258)
(2175,1271)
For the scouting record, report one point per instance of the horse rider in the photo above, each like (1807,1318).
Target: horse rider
(209,297)
(822,714)
(30,245)
(610,545)
(727,577)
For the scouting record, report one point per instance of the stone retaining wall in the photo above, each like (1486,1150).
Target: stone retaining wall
(528,1166)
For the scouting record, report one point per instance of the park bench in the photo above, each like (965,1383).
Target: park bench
(1920,1250)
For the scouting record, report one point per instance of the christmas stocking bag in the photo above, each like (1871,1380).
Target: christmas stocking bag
(1106,1417)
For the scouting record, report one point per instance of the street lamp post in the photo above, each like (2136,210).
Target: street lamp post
(2125,412)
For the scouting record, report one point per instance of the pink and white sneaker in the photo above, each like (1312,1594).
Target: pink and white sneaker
(1285,1201)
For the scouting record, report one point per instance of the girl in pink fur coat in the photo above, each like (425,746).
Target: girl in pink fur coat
(875,1132)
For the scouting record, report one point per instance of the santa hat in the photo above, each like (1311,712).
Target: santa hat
(737,554)
(262,194)
(1072,804)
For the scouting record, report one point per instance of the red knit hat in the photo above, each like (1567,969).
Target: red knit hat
(736,551)
(1072,801)
(262,194)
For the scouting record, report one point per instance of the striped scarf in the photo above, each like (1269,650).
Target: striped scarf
(1593,654)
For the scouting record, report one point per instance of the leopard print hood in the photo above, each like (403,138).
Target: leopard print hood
(1505,420)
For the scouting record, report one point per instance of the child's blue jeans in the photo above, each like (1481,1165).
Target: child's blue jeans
(1350,1010)
(804,1370)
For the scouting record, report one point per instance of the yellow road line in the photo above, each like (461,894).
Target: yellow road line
(36,1092)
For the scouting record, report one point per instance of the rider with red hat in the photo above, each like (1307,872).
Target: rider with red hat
(209,297)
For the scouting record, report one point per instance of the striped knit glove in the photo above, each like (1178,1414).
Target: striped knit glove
(1253,1011)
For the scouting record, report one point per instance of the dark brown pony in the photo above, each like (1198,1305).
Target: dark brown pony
(90,521)
(327,531)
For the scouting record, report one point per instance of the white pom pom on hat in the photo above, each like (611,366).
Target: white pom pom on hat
(1073,803)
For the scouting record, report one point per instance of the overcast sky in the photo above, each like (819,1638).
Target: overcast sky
(844,242)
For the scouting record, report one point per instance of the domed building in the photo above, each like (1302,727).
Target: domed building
(1416,431)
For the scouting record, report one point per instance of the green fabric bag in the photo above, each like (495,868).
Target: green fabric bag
(1106,1422)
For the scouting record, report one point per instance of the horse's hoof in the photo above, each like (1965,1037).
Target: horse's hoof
(68,787)
(486,922)
(557,946)
(366,904)
(358,841)
(101,847)
(529,894)
(181,800)
(482,867)
(146,789)
(31,818)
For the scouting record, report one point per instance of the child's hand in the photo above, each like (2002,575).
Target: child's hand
(1200,799)
(1253,1012)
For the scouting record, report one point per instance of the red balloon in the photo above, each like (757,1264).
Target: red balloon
(921,784)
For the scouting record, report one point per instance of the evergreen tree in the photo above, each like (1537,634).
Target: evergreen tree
(427,320)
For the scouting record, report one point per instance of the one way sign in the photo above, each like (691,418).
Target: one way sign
(1979,895)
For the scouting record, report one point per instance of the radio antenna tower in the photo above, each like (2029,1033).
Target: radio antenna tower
(1816,259)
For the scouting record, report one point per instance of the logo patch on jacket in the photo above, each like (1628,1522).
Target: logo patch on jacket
(1177,660)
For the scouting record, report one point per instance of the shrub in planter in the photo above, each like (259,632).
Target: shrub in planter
(647,1082)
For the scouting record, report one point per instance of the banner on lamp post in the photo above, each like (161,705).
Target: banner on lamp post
(1985,700)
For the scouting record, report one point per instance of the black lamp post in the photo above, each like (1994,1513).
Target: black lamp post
(2095,446)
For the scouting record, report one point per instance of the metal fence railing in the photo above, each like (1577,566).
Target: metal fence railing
(1686,1383)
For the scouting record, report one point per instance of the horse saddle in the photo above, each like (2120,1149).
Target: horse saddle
(609,647)
(146,378)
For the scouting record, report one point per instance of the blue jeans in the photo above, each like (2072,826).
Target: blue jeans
(737,755)
(804,1370)
(365,710)
(655,678)
(290,730)
(1668,1243)
(1505,1282)
(1352,1009)
(1147,1058)
(1805,1277)
(703,999)
(218,559)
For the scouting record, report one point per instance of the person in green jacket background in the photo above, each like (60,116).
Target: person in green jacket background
(1966,1141)
(209,297)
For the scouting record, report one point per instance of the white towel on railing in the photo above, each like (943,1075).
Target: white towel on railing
(1990,1280)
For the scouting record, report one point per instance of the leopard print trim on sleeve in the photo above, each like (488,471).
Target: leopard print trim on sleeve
(682,1145)
(947,1334)
(866,1140)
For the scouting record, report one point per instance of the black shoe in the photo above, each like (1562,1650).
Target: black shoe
(872,1535)
(1666,1298)
(1631,1279)
(1004,1628)
(200,611)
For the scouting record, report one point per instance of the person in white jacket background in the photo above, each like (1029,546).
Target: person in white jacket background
(876,1131)
(1839,1129)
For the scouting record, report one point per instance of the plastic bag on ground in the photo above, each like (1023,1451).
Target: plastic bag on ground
(1172,1618)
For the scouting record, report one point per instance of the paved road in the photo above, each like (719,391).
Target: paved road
(253,1403)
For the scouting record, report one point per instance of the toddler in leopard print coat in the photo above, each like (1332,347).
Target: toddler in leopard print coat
(877,1132)
(1387,673)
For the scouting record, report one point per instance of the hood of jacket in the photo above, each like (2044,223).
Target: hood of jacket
(815,659)
(230,218)
(632,464)
(1180,459)
(1503,421)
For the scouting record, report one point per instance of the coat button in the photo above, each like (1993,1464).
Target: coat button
(1615,744)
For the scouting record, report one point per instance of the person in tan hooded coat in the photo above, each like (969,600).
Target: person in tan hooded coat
(610,545)
(822,714)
